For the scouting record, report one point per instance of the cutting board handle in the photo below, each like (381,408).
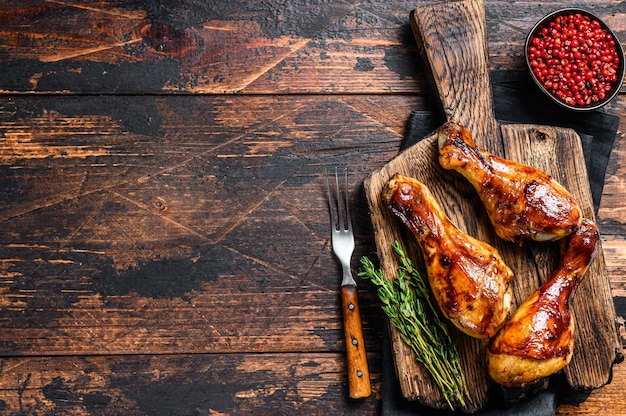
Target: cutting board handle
(452,39)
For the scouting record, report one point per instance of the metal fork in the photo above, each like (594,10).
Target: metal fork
(342,238)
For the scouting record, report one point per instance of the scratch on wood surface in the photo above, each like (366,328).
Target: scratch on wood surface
(81,186)
(298,284)
(235,155)
(76,250)
(222,26)
(276,269)
(47,247)
(325,249)
(305,276)
(254,393)
(60,261)
(292,48)
(5,369)
(36,139)
(243,215)
(38,151)
(268,147)
(36,260)
(21,245)
(87,51)
(137,14)
(374,43)
(21,133)
(391,19)
(163,217)
(375,119)
(216,413)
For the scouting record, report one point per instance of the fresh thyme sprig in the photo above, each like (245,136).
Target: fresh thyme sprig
(407,302)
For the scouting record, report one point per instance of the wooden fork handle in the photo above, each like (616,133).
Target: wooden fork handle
(358,372)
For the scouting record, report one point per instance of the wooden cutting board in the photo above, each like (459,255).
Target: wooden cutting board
(452,40)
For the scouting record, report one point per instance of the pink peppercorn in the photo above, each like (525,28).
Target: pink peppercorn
(574,58)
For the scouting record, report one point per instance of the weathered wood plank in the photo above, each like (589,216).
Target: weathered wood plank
(177,235)
(612,215)
(121,47)
(158,223)
(222,383)
(205,47)
(99,227)
(607,400)
(290,383)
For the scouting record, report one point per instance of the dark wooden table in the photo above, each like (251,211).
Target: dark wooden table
(165,236)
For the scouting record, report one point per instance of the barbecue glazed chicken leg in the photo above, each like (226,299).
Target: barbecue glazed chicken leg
(469,280)
(521,201)
(538,340)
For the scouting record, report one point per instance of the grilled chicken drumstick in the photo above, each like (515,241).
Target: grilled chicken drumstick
(521,201)
(538,340)
(468,277)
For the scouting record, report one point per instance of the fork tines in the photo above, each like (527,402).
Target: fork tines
(342,220)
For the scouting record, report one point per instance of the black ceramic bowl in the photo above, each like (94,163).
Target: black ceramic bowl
(554,62)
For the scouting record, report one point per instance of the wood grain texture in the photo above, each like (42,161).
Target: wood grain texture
(123,238)
(358,370)
(222,384)
(452,39)
(165,243)
(164,385)
(128,47)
